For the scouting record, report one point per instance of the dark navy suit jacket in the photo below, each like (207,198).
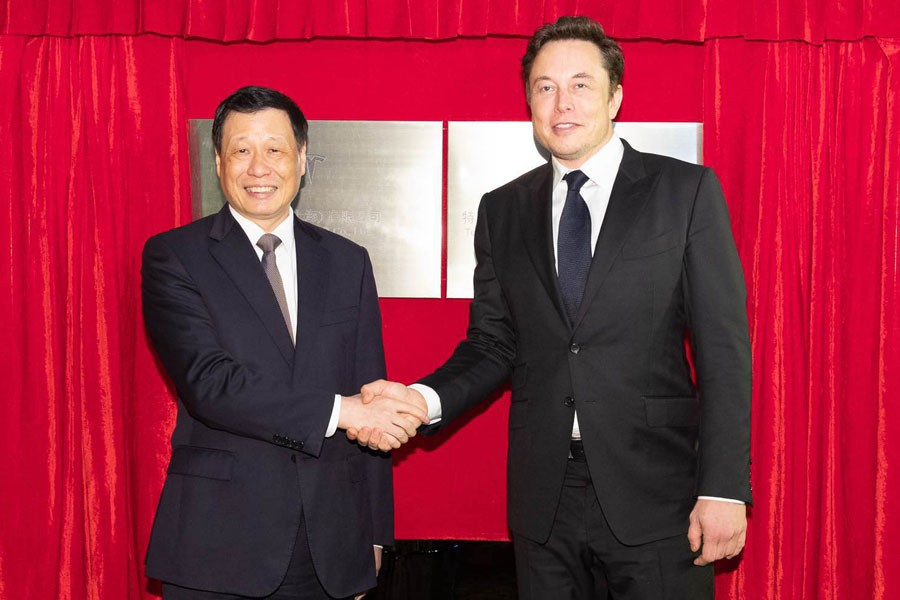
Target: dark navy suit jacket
(249,453)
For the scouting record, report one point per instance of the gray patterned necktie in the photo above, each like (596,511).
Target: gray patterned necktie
(268,242)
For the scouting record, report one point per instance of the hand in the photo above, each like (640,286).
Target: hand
(396,421)
(719,528)
(377,569)
(379,389)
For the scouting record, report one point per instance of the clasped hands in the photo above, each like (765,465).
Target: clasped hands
(383,416)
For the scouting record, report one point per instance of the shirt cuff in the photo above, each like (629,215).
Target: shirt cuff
(731,500)
(335,415)
(432,400)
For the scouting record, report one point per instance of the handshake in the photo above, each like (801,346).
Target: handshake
(383,416)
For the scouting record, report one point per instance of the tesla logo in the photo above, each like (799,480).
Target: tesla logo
(311,161)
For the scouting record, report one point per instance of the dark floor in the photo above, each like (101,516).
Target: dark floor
(447,570)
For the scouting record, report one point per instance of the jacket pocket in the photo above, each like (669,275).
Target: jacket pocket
(339,315)
(672,411)
(651,247)
(202,462)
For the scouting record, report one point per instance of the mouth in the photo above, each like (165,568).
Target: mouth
(562,127)
(260,189)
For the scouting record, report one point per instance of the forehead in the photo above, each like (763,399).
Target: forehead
(567,58)
(269,122)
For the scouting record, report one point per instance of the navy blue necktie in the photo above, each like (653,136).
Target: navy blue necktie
(574,244)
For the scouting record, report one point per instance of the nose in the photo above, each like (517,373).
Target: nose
(257,166)
(563,100)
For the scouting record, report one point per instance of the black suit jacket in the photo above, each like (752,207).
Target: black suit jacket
(665,263)
(249,456)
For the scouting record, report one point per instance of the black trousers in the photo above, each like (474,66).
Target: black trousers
(583,560)
(300,581)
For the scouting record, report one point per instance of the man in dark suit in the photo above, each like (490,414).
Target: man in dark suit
(623,474)
(262,322)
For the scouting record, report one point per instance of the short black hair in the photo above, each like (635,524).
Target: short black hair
(576,28)
(251,99)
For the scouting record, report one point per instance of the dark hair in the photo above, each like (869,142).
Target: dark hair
(576,28)
(253,99)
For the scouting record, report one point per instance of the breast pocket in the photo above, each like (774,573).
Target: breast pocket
(651,247)
(338,316)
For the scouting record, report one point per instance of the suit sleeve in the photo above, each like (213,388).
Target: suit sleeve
(483,360)
(369,367)
(216,388)
(717,318)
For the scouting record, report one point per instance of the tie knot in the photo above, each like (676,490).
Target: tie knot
(575,179)
(268,242)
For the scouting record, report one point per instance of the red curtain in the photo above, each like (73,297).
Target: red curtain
(804,135)
(806,141)
(94,162)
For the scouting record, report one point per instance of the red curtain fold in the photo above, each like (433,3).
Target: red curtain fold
(95,162)
(805,141)
(264,20)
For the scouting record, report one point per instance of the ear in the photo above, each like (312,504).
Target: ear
(302,158)
(218,165)
(615,102)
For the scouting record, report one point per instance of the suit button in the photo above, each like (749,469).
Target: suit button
(570,401)
(574,348)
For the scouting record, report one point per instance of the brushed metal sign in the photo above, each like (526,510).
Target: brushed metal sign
(377,183)
(482,156)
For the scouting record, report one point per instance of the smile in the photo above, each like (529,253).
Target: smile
(261,189)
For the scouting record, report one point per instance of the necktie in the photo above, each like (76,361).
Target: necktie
(574,244)
(268,242)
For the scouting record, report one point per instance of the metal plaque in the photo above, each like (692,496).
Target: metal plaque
(482,156)
(377,183)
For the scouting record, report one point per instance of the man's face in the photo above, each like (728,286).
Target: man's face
(260,165)
(571,105)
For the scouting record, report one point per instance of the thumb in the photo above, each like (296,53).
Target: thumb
(695,533)
(372,389)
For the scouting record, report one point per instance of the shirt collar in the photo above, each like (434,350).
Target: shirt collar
(284,230)
(601,168)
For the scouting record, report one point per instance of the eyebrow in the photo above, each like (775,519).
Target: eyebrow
(581,75)
(268,138)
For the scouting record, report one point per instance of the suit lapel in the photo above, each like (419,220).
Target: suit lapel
(313,266)
(235,254)
(630,193)
(537,230)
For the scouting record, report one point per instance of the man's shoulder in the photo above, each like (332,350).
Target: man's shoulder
(329,240)
(531,180)
(189,233)
(654,163)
